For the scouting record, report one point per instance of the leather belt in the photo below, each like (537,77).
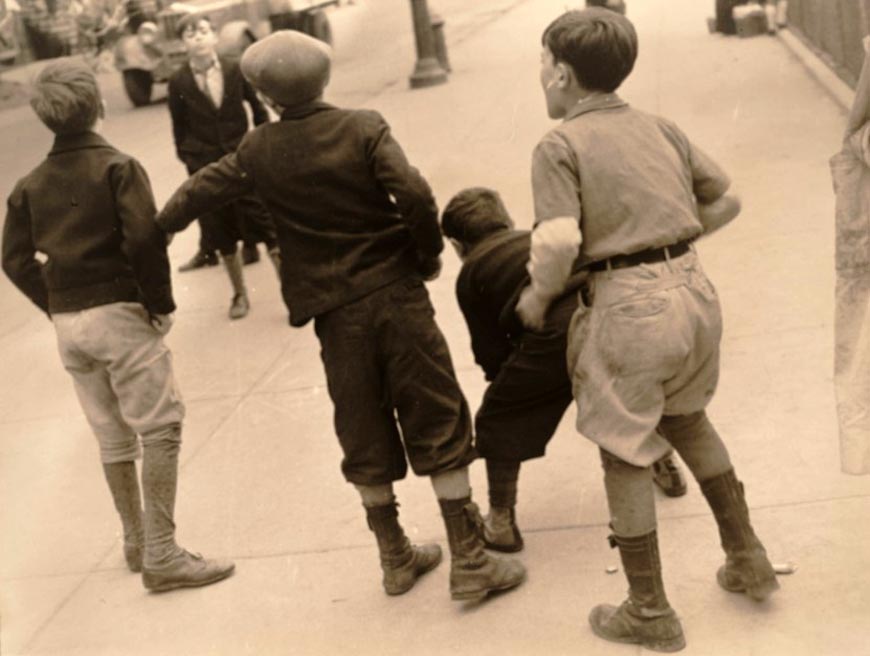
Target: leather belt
(642,257)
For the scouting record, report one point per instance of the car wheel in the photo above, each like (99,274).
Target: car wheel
(137,84)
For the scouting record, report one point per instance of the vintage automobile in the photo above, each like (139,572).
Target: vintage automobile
(149,50)
(8,40)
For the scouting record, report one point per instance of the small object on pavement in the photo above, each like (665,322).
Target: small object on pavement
(785,568)
(611,569)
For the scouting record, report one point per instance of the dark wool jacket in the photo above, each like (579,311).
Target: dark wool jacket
(488,287)
(204,133)
(89,210)
(351,213)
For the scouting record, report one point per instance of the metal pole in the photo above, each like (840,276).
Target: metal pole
(427,71)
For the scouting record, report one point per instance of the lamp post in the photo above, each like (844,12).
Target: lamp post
(427,70)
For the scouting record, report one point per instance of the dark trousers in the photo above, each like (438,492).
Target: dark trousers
(524,404)
(392,383)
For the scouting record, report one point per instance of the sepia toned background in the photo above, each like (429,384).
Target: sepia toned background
(260,481)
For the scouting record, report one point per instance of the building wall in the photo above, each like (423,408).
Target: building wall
(834,30)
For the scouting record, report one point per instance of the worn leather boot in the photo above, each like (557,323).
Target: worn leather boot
(668,477)
(124,486)
(474,573)
(402,562)
(645,618)
(746,567)
(166,566)
(500,530)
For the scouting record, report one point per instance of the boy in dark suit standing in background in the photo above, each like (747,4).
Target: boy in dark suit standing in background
(208,121)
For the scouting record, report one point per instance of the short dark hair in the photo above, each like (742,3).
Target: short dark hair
(191,20)
(599,45)
(66,97)
(474,213)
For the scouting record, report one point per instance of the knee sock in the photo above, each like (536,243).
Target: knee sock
(159,484)
(376,495)
(124,486)
(502,476)
(452,484)
(698,444)
(629,497)
(233,265)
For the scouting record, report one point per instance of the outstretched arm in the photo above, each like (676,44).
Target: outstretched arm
(205,191)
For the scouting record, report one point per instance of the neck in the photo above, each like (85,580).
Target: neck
(203,61)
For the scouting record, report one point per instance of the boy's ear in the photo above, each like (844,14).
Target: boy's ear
(564,75)
(101,111)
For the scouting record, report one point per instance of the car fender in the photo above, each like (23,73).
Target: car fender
(234,37)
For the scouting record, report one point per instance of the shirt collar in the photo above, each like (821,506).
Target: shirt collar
(215,64)
(67,142)
(595,103)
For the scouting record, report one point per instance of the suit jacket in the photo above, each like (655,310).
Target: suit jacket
(204,133)
(89,209)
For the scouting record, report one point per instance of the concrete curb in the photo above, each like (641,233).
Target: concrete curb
(841,92)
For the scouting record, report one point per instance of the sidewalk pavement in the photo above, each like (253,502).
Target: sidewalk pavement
(260,481)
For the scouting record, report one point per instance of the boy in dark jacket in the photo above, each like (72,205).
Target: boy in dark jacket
(529,388)
(206,99)
(358,229)
(105,285)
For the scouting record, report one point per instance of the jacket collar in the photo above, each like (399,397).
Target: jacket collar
(595,103)
(305,109)
(66,142)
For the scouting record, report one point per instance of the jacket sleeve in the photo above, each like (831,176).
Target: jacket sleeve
(406,186)
(489,343)
(258,111)
(178,114)
(144,243)
(19,252)
(206,190)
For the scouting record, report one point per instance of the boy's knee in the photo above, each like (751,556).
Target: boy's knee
(677,428)
(167,436)
(124,449)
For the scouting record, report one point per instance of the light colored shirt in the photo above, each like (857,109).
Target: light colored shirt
(211,82)
(629,179)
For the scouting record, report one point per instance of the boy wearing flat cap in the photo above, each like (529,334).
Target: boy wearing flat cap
(358,227)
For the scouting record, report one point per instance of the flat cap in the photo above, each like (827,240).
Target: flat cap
(288,66)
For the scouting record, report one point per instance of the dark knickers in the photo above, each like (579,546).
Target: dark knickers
(523,406)
(387,363)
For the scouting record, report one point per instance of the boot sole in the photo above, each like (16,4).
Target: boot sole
(175,585)
(677,644)
(503,548)
(480,595)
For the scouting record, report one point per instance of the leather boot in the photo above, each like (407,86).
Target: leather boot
(645,618)
(167,566)
(124,486)
(668,477)
(746,567)
(474,573)
(402,562)
(500,530)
